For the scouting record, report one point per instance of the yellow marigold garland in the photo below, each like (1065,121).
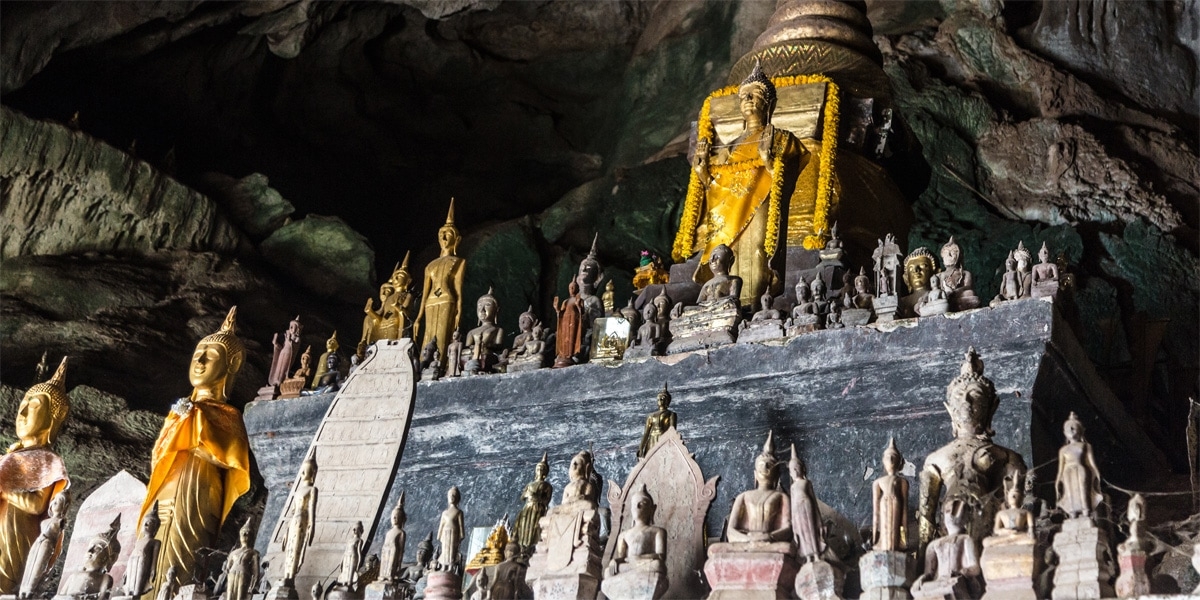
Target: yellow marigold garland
(686,237)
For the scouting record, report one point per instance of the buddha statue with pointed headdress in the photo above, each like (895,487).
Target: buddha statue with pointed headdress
(200,463)
(31,475)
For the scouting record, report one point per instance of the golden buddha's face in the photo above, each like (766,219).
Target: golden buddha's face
(34,420)
(753,103)
(210,365)
(385,291)
(539,471)
(448,238)
(917,272)
(664,401)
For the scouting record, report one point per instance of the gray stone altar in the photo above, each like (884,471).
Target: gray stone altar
(848,389)
(678,487)
(357,447)
(122,494)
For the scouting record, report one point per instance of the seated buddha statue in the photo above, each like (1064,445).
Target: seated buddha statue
(484,341)
(1044,276)
(640,559)
(92,579)
(762,514)
(31,475)
(722,288)
(957,282)
(739,185)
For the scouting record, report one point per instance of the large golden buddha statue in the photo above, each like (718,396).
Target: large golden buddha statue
(31,475)
(441,293)
(393,316)
(201,461)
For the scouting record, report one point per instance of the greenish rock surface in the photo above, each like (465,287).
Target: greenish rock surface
(251,202)
(504,257)
(325,255)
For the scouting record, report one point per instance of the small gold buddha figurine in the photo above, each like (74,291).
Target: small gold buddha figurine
(608,298)
(391,556)
(450,531)
(92,579)
(889,523)
(764,513)
(918,268)
(200,463)
(31,475)
(722,287)
(536,496)
(139,569)
(658,422)
(1078,481)
(45,548)
(650,271)
(441,292)
(331,349)
(492,552)
(242,570)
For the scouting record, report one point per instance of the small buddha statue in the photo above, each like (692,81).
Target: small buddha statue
(764,513)
(201,461)
(806,314)
(284,352)
(31,475)
(484,341)
(450,532)
(323,364)
(1010,283)
(641,552)
(971,468)
(414,573)
(889,499)
(1135,515)
(1044,276)
(1078,480)
(331,379)
(918,267)
(391,556)
(649,335)
(525,324)
(1024,260)
(662,306)
(170,586)
(454,355)
(428,361)
(301,524)
(862,298)
(935,302)
(318,592)
(589,277)
(352,560)
(833,320)
(242,570)
(807,530)
(441,292)
(510,574)
(723,287)
(1013,521)
(571,327)
(951,561)
(657,423)
(92,579)
(293,386)
(143,560)
(45,548)
(536,497)
(956,281)
(630,314)
(765,312)
(483,586)
(608,299)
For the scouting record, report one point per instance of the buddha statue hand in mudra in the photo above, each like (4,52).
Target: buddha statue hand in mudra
(31,475)
(200,463)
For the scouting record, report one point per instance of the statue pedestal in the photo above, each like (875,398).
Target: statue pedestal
(853,317)
(701,327)
(561,569)
(1045,289)
(751,571)
(804,324)
(1084,561)
(761,331)
(933,307)
(1008,565)
(384,590)
(291,388)
(885,308)
(1133,580)
(641,351)
(338,591)
(191,591)
(527,363)
(443,585)
(284,590)
(883,575)
(269,392)
(949,588)
(819,580)
(634,585)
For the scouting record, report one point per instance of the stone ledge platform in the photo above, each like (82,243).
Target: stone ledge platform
(837,394)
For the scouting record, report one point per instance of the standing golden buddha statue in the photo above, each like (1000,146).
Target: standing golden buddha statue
(201,461)
(743,184)
(31,475)
(441,294)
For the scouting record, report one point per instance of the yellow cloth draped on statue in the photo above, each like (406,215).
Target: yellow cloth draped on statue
(199,467)
(29,480)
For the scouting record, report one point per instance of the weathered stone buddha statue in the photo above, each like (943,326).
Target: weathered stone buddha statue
(536,497)
(1010,282)
(1013,521)
(301,527)
(293,386)
(143,560)
(31,475)
(201,461)
(658,422)
(484,341)
(1044,278)
(454,351)
(714,321)
(1009,555)
(765,324)
(971,468)
(1078,481)
(935,302)
(765,312)
(428,362)
(957,282)
(638,569)
(650,335)
(525,323)
(45,548)
(92,579)
(441,292)
(450,532)
(323,363)
(918,268)
(285,351)
(567,559)
(862,298)
(242,567)
(741,184)
(951,561)
(589,278)
(170,586)
(391,555)
(1024,260)
(1134,580)
(889,529)
(764,513)
(414,574)
(347,583)
(807,530)
(807,314)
